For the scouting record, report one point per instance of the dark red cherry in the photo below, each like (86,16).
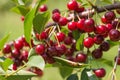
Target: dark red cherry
(105,46)
(81,57)
(43,35)
(51,51)
(110,15)
(104,20)
(61,49)
(72,26)
(56,17)
(100,73)
(56,11)
(62,21)
(114,35)
(118,60)
(98,39)
(88,42)
(60,36)
(15,53)
(24,55)
(43,8)
(68,40)
(72,5)
(97,53)
(39,49)
(7,48)
(14,67)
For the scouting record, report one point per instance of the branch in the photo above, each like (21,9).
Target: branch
(91,12)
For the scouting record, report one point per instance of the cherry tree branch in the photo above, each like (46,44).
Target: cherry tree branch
(92,11)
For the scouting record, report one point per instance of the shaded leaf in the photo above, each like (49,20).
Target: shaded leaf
(65,71)
(36,61)
(20,10)
(3,41)
(76,34)
(79,43)
(40,20)
(113,43)
(69,63)
(73,77)
(84,75)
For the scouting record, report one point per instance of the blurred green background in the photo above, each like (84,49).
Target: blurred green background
(10,22)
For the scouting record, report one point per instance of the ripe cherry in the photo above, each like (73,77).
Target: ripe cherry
(69,52)
(72,26)
(110,15)
(88,42)
(7,48)
(56,17)
(43,8)
(109,27)
(115,23)
(72,5)
(100,73)
(24,55)
(61,49)
(15,53)
(18,44)
(60,36)
(98,39)
(105,46)
(39,49)
(80,24)
(114,35)
(62,21)
(97,53)
(118,60)
(56,11)
(51,51)
(81,57)
(104,20)
(14,67)
(101,29)
(43,35)
(68,40)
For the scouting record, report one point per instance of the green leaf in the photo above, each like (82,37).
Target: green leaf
(76,34)
(3,41)
(40,20)
(20,10)
(79,0)
(79,43)
(2,78)
(84,75)
(69,63)
(31,53)
(73,77)
(6,64)
(65,71)
(36,61)
(112,43)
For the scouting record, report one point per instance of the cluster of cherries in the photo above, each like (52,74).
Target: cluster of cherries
(64,45)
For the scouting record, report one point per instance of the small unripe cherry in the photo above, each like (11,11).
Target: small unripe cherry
(81,57)
(88,42)
(39,49)
(72,26)
(60,36)
(43,8)
(100,73)
(72,5)
(62,21)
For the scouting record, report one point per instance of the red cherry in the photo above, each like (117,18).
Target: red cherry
(109,27)
(72,26)
(24,55)
(81,57)
(104,20)
(98,39)
(60,36)
(7,48)
(39,49)
(101,29)
(69,52)
(110,15)
(72,5)
(68,40)
(56,17)
(88,42)
(18,44)
(14,67)
(80,9)
(43,35)
(100,73)
(56,11)
(62,21)
(80,24)
(61,49)
(114,35)
(39,72)
(43,8)
(15,53)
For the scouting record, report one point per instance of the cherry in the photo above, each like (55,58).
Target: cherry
(24,55)
(109,27)
(43,8)
(72,26)
(114,35)
(88,42)
(62,21)
(56,17)
(51,51)
(81,57)
(22,18)
(118,60)
(80,9)
(68,40)
(72,5)
(37,36)
(89,25)
(18,44)
(60,36)
(97,53)
(80,24)
(15,53)
(98,39)
(39,49)
(69,52)
(39,72)
(110,15)
(43,35)
(104,20)
(105,46)
(100,73)
(56,11)
(61,49)
(7,48)
(14,67)
(101,29)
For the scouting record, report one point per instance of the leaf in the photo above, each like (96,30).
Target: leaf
(20,10)
(6,64)
(21,2)
(36,61)
(31,53)
(69,63)
(84,75)
(79,43)
(2,78)
(65,71)
(76,34)
(79,0)
(40,20)
(112,43)
(73,77)
(3,41)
